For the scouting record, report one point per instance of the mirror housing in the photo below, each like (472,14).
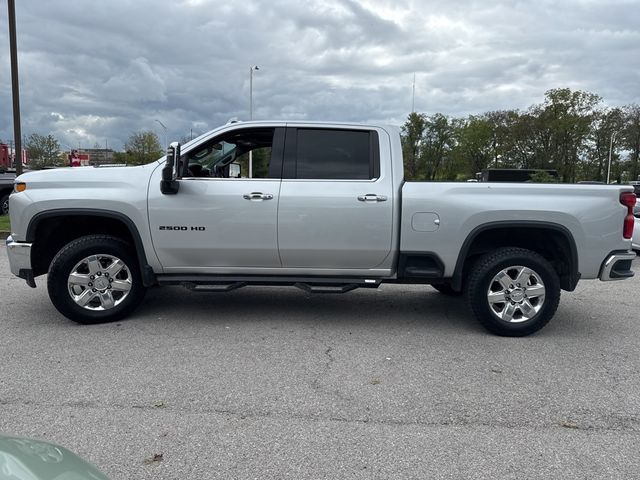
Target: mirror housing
(169,184)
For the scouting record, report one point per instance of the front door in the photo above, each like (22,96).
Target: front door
(221,220)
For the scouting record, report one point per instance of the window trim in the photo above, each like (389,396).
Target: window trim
(289,169)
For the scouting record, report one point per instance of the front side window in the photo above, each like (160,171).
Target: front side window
(227,156)
(334,154)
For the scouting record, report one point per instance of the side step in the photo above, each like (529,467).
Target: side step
(223,283)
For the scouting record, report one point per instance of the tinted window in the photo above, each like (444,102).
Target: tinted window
(334,154)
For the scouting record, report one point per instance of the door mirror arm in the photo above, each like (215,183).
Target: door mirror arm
(169,184)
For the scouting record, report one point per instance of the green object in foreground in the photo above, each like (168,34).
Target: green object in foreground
(26,459)
(5,226)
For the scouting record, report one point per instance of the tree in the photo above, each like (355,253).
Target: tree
(475,142)
(412,133)
(605,126)
(543,177)
(631,138)
(439,139)
(568,115)
(43,151)
(141,148)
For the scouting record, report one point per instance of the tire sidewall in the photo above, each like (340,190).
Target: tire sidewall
(69,257)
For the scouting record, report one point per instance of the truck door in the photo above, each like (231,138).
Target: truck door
(221,221)
(336,199)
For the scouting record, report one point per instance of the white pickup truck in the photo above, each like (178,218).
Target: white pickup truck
(320,206)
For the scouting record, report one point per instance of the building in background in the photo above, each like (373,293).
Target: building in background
(90,157)
(99,156)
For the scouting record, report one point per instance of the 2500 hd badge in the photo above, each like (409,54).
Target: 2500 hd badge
(182,228)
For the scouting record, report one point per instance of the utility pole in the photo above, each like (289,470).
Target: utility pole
(613,139)
(13,47)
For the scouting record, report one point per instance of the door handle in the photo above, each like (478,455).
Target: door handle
(372,197)
(256,196)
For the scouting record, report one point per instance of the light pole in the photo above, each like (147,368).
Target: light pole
(165,134)
(613,139)
(251,69)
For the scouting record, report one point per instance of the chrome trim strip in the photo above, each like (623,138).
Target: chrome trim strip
(605,273)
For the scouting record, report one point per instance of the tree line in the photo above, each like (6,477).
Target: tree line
(570,132)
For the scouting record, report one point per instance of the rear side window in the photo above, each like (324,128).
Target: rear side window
(335,154)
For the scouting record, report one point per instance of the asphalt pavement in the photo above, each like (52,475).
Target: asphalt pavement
(277,383)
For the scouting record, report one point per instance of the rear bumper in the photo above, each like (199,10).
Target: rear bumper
(617,266)
(20,260)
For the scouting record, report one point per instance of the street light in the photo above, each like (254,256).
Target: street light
(165,133)
(613,139)
(251,69)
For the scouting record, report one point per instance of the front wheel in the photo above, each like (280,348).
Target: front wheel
(513,292)
(95,279)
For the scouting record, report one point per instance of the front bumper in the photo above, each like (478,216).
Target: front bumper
(20,260)
(617,266)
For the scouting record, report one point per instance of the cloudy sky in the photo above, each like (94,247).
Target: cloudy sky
(95,71)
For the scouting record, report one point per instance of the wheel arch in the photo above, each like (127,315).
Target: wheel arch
(60,226)
(553,241)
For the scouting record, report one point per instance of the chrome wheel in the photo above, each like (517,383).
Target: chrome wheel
(99,282)
(516,294)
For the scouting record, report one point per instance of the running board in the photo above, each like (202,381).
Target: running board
(222,283)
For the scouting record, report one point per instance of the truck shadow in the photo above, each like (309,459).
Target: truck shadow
(391,305)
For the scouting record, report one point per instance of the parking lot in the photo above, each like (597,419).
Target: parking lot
(278,383)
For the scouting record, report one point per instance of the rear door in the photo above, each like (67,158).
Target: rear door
(336,199)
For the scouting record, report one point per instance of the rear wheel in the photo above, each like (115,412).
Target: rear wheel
(95,279)
(513,292)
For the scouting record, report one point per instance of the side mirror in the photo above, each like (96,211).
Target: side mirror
(169,184)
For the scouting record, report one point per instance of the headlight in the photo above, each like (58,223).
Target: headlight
(19,187)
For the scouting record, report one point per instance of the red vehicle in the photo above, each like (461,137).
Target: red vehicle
(77,159)
(6,179)
(6,157)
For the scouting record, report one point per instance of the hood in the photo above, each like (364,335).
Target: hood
(86,176)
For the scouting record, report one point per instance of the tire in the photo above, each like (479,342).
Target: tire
(106,279)
(4,205)
(446,289)
(501,305)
